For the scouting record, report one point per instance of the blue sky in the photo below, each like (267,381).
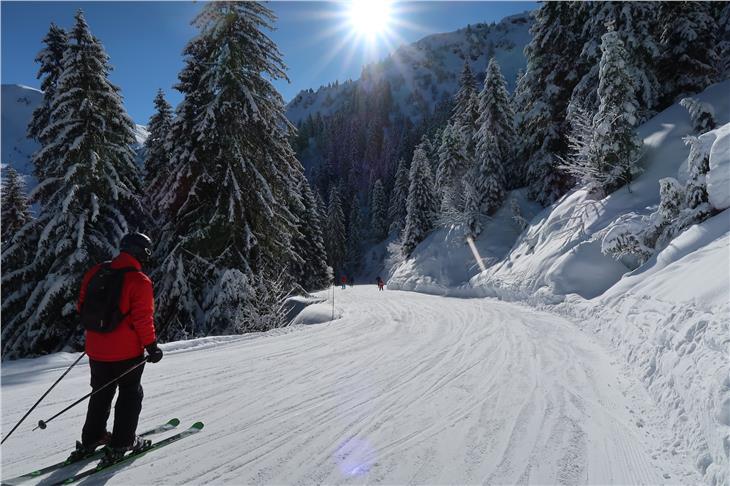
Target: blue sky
(145,39)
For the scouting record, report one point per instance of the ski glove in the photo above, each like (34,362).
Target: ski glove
(154,353)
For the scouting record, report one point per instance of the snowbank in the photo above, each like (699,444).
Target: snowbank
(718,179)
(444,261)
(669,321)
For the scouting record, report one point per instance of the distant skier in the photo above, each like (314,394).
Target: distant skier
(113,350)
(380,282)
(352,281)
(343,281)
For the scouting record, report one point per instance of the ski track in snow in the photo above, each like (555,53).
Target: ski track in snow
(406,388)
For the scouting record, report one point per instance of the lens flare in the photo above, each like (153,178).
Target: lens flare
(370,17)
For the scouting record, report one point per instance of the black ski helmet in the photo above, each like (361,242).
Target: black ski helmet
(138,245)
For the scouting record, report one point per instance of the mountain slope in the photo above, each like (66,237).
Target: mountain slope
(18,104)
(404,388)
(426,72)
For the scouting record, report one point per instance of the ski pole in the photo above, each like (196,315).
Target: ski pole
(44,396)
(42,424)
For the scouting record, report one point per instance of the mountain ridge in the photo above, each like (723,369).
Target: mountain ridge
(425,72)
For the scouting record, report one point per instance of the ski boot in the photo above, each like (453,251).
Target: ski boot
(113,455)
(82,451)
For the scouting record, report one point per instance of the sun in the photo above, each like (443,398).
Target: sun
(370,18)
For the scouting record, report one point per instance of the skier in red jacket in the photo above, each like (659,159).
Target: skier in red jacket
(112,353)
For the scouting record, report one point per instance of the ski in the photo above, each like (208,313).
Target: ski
(169,425)
(194,429)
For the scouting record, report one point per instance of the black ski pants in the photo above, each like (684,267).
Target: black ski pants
(127,408)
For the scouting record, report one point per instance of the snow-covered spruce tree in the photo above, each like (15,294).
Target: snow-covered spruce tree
(696,198)
(310,269)
(615,149)
(701,113)
(421,206)
(449,174)
(353,253)
(465,113)
(335,237)
(689,61)
(485,182)
(156,155)
(398,198)
(636,24)
(89,198)
(379,211)
(13,204)
(50,59)
(548,83)
(233,178)
(321,206)
(496,119)
(723,46)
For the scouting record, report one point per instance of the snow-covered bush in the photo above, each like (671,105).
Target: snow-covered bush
(702,114)
(680,207)
(517,217)
(395,257)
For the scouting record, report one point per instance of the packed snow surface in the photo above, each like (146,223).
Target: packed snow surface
(404,388)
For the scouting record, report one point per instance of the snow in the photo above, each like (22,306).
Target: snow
(665,320)
(718,179)
(404,388)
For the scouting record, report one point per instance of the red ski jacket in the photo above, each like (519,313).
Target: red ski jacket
(137,330)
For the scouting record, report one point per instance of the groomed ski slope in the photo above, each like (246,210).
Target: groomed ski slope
(404,388)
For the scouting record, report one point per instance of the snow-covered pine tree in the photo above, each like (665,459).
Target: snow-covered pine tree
(321,206)
(421,206)
(89,198)
(723,46)
(233,175)
(398,198)
(50,59)
(310,269)
(519,99)
(636,24)
(465,113)
(451,170)
(696,188)
(615,148)
(485,182)
(688,60)
(335,237)
(548,83)
(379,211)
(156,155)
(14,204)
(496,119)
(353,253)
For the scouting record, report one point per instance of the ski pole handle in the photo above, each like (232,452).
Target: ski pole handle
(41,398)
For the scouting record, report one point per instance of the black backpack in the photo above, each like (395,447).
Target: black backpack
(100,310)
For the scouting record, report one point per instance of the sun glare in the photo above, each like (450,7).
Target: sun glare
(370,17)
